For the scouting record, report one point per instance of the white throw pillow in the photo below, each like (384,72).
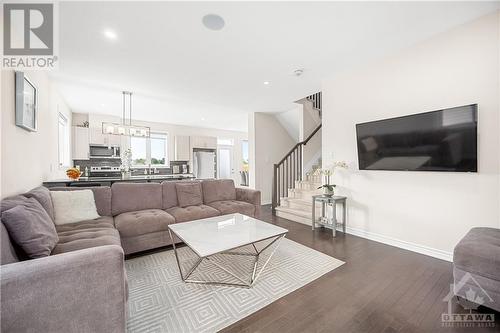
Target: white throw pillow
(73,206)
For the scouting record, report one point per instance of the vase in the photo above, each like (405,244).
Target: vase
(327,191)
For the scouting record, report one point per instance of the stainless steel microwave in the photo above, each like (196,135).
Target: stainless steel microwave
(104,151)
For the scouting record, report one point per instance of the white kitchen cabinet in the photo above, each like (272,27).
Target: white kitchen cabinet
(209,142)
(182,148)
(98,138)
(114,140)
(80,143)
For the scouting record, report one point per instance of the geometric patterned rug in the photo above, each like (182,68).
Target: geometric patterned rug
(160,302)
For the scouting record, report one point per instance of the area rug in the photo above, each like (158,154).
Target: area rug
(159,301)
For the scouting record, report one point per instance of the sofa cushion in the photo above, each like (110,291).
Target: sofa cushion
(143,222)
(73,206)
(183,214)
(479,253)
(169,194)
(233,206)
(131,197)
(16,252)
(31,228)
(11,202)
(218,190)
(42,195)
(188,194)
(8,252)
(86,238)
(102,197)
(101,222)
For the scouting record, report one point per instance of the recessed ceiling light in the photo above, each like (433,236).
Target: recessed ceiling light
(266,82)
(213,22)
(110,34)
(202,119)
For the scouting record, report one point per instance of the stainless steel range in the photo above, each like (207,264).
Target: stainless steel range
(105,171)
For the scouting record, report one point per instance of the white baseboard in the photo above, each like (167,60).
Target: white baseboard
(440,254)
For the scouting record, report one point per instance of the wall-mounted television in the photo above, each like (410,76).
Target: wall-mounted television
(442,140)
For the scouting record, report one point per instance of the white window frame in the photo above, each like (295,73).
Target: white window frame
(167,161)
(148,152)
(225,141)
(63,144)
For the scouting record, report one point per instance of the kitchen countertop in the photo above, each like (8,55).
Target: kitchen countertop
(146,178)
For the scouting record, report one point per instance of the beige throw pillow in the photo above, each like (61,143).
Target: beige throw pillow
(73,206)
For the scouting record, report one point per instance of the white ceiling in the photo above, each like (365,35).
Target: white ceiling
(181,72)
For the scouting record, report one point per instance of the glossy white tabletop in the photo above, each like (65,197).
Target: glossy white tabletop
(216,234)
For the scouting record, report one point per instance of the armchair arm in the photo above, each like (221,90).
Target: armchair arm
(80,291)
(250,196)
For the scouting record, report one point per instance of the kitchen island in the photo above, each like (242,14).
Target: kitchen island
(108,181)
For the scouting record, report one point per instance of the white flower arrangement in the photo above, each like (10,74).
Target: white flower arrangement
(327,172)
(126,159)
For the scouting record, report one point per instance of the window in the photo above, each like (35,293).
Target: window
(244,153)
(63,141)
(158,149)
(139,149)
(150,151)
(225,142)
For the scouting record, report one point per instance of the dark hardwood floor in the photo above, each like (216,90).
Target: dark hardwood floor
(380,288)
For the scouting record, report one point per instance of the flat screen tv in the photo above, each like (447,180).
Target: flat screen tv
(443,140)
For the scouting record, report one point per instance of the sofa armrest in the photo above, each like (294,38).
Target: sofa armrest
(250,196)
(80,291)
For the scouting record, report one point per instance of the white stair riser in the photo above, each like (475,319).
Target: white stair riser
(298,204)
(294,217)
(305,195)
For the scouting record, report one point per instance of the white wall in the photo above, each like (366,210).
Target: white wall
(309,121)
(29,158)
(291,121)
(424,211)
(269,142)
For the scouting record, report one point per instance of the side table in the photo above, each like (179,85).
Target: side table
(323,220)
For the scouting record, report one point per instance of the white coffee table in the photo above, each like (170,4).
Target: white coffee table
(225,235)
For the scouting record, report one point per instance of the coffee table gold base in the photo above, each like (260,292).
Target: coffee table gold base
(243,283)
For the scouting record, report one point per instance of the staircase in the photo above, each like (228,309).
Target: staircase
(316,101)
(293,188)
(297,205)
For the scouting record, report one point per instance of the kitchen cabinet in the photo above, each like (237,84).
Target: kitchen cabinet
(209,142)
(182,148)
(80,144)
(97,137)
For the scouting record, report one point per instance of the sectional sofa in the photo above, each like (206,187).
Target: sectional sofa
(82,285)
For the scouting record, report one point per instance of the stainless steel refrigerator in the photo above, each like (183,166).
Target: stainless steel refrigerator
(204,163)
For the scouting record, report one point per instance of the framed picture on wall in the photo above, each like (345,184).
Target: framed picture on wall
(26,103)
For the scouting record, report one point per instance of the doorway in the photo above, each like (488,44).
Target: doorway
(225,168)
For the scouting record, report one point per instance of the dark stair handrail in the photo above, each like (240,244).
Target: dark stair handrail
(289,169)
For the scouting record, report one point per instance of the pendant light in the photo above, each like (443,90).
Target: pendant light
(126,128)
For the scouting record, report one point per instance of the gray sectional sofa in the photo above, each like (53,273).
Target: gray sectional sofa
(476,268)
(82,286)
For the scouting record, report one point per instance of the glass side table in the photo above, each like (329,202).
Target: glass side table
(324,220)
